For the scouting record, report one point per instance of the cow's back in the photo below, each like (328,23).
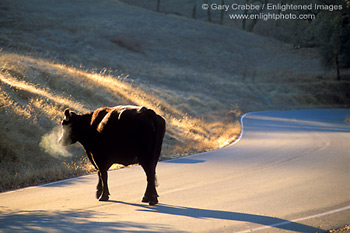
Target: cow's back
(98,116)
(127,131)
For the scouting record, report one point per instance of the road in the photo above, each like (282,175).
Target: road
(289,172)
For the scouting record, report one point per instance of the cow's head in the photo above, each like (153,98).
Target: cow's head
(69,136)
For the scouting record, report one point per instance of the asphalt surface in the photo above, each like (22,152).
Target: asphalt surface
(289,172)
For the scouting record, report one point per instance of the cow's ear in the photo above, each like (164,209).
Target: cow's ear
(67,114)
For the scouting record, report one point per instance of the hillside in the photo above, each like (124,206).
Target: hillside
(86,54)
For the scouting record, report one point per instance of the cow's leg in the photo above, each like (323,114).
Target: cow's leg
(99,186)
(151,195)
(105,191)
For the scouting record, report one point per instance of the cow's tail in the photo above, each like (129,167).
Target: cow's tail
(159,125)
(159,131)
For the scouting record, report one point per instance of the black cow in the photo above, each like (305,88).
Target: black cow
(122,134)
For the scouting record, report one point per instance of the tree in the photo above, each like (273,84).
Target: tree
(333,33)
(194,9)
(208,11)
(222,13)
(251,26)
(158,6)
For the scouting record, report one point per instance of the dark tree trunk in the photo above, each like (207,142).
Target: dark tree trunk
(222,13)
(208,12)
(158,5)
(337,66)
(194,11)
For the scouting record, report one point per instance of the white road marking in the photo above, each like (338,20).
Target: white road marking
(297,220)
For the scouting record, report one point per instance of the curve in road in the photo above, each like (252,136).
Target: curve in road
(288,172)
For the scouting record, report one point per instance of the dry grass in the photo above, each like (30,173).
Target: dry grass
(91,89)
(33,97)
(342,229)
(200,77)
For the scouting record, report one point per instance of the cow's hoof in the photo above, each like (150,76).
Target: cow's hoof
(104,198)
(98,193)
(145,199)
(150,200)
(153,202)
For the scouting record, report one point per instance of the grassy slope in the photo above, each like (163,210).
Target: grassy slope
(87,54)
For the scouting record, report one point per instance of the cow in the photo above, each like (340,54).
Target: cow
(121,134)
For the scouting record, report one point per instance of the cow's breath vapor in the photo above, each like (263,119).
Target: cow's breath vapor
(49,143)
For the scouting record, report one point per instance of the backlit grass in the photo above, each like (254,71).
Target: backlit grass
(34,93)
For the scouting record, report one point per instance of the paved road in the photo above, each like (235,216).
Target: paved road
(289,172)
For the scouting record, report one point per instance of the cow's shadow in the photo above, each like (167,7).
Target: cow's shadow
(72,221)
(224,215)
(184,160)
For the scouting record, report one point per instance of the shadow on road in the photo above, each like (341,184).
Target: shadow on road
(184,160)
(92,221)
(69,222)
(225,215)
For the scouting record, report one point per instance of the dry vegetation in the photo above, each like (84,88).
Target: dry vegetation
(200,77)
(34,93)
(342,229)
